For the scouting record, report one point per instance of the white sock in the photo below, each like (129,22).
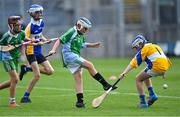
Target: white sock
(12,100)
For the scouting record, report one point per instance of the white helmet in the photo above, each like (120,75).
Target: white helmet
(84,22)
(34,8)
(137,40)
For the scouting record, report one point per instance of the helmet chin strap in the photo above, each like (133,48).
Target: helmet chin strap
(11,28)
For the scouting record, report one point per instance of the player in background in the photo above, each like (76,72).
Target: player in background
(11,59)
(73,41)
(157,65)
(34,52)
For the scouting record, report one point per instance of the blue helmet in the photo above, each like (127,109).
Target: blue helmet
(137,40)
(84,22)
(34,8)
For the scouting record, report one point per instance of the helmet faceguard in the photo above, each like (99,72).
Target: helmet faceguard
(36,11)
(138,41)
(83,23)
(14,24)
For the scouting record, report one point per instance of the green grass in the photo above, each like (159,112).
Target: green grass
(55,95)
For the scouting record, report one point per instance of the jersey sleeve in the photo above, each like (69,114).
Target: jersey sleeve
(28,31)
(67,36)
(139,57)
(43,24)
(23,35)
(3,40)
(84,44)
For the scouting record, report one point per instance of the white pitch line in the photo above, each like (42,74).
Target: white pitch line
(95,91)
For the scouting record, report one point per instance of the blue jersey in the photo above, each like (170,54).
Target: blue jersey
(34,30)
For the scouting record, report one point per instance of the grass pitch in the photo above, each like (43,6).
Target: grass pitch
(55,95)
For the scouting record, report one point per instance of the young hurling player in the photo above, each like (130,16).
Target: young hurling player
(10,59)
(73,41)
(34,52)
(157,65)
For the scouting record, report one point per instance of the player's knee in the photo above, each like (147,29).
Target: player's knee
(90,65)
(138,79)
(15,80)
(50,71)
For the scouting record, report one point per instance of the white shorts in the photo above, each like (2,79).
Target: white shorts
(73,61)
(153,73)
(5,56)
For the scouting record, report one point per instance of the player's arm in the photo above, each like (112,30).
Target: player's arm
(92,45)
(43,38)
(133,64)
(55,46)
(128,68)
(6,48)
(43,41)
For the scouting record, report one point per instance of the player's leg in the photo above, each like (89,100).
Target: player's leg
(79,88)
(96,75)
(5,84)
(152,95)
(47,68)
(36,77)
(10,67)
(76,61)
(142,76)
(24,70)
(14,80)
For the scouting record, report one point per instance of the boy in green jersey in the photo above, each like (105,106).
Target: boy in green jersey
(73,41)
(10,58)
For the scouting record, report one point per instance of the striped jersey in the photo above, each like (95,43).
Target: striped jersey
(9,39)
(154,57)
(34,30)
(72,41)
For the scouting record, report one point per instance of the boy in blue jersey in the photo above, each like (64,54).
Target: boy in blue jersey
(34,52)
(73,41)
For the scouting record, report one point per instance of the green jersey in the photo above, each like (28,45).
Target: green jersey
(72,41)
(10,39)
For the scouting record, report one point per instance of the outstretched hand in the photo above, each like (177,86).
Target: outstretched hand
(97,45)
(48,41)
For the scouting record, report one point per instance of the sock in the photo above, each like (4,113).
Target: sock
(151,91)
(100,79)
(26,94)
(79,97)
(12,100)
(142,99)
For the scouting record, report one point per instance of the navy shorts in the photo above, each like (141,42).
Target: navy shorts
(39,58)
